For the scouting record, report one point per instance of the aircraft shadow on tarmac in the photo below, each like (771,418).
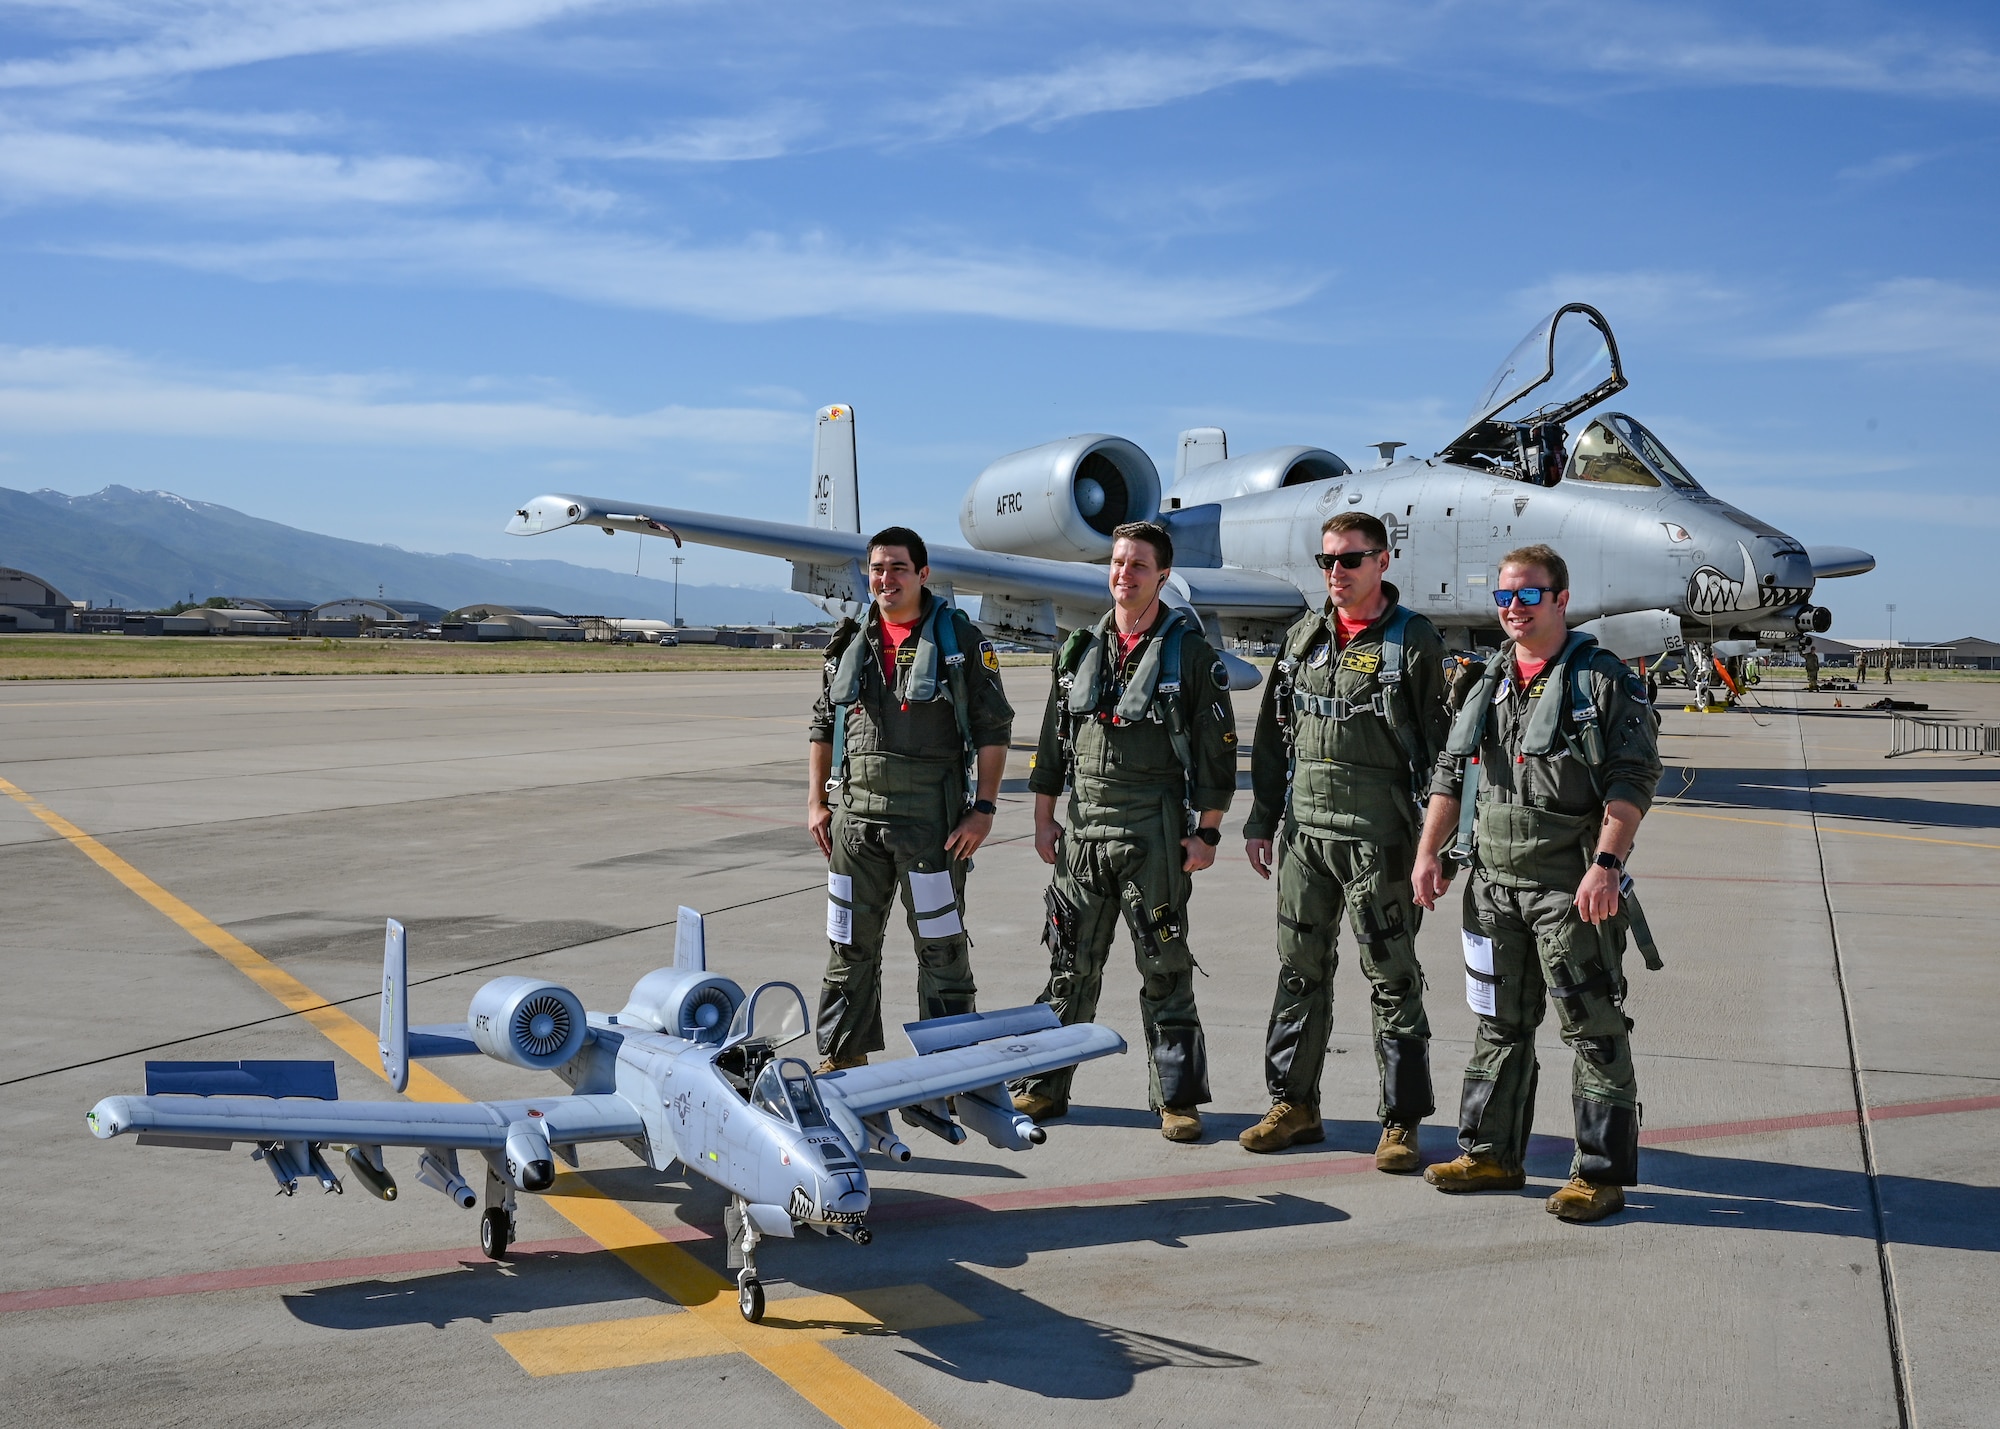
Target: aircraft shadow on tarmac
(1784,791)
(1018,1341)
(1689,1189)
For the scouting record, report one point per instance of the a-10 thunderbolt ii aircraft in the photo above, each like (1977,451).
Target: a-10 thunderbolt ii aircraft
(1656,561)
(691,1070)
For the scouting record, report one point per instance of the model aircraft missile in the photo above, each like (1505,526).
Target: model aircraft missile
(691,1070)
(1657,562)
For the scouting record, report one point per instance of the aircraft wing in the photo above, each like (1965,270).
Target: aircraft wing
(867,1091)
(1831,561)
(478,1126)
(832,563)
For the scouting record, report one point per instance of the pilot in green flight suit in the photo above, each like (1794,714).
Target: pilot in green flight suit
(1352,720)
(897,750)
(1560,741)
(1139,727)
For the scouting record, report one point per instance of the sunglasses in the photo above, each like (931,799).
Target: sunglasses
(1346,560)
(1527,595)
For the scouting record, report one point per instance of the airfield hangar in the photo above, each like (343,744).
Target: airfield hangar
(508,622)
(27,602)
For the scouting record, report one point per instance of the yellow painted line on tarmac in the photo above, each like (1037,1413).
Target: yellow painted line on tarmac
(1825,829)
(820,1377)
(657,1339)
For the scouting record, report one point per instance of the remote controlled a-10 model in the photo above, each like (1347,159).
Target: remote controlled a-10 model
(690,1070)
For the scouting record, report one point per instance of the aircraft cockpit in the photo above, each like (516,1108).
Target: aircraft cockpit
(785,1089)
(1565,366)
(769,1018)
(1616,451)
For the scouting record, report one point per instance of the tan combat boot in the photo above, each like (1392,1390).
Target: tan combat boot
(1474,1173)
(840,1064)
(1397,1151)
(1038,1108)
(1583,1200)
(1284,1125)
(1181,1123)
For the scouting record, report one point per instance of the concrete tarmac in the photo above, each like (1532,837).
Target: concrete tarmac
(1826,915)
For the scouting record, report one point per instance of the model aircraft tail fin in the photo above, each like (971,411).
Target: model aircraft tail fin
(690,943)
(836,490)
(394,1039)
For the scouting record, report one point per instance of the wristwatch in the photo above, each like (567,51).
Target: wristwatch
(985,806)
(1611,861)
(1211,837)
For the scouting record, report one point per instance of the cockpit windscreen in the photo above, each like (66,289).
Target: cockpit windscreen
(1616,451)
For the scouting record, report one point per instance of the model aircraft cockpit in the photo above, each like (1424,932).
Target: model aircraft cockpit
(785,1089)
(769,1018)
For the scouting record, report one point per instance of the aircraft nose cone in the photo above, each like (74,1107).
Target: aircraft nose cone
(847,1195)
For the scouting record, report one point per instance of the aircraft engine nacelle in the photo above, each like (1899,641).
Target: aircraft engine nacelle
(527,1022)
(683,1003)
(1061,500)
(1255,472)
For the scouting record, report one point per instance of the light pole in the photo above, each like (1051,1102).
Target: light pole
(1892,622)
(678,562)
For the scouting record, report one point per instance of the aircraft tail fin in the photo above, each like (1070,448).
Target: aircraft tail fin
(394,1039)
(690,943)
(836,489)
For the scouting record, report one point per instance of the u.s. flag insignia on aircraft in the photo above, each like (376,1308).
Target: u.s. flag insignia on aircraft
(1362,662)
(987,656)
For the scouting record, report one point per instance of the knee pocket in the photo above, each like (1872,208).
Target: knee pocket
(1599,1051)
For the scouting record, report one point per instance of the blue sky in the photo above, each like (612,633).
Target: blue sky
(385,268)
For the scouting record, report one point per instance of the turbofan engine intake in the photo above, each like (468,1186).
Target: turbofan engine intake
(1061,500)
(530,1023)
(683,1003)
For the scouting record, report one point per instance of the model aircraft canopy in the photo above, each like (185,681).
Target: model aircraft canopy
(774,1014)
(1566,364)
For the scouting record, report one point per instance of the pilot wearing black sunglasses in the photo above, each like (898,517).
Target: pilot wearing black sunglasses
(1352,720)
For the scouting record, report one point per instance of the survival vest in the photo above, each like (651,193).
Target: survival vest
(1568,673)
(1391,703)
(936,673)
(1153,693)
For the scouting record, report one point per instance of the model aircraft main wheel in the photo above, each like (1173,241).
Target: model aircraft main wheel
(496,1232)
(750,1299)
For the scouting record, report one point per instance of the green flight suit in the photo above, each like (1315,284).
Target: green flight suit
(903,793)
(1121,853)
(1342,810)
(1537,818)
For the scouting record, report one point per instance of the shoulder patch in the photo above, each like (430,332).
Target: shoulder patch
(1364,662)
(1219,675)
(987,657)
(1319,655)
(1636,688)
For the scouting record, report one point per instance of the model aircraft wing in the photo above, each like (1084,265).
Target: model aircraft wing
(225,1119)
(1009,1052)
(832,563)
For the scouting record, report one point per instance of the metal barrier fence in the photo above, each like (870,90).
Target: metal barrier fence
(1920,736)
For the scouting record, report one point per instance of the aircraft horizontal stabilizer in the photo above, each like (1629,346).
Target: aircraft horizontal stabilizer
(242,1079)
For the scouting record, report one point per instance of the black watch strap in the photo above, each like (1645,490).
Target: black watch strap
(1211,837)
(1610,860)
(985,806)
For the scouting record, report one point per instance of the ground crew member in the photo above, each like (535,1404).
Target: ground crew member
(1140,729)
(911,734)
(1812,667)
(1353,719)
(1559,744)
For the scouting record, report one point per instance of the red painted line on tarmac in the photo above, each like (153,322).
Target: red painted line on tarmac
(1805,882)
(1278,1169)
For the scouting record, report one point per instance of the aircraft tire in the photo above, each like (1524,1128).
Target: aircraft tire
(750,1299)
(496,1232)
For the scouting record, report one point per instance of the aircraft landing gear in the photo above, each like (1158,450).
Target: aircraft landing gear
(743,1237)
(496,1227)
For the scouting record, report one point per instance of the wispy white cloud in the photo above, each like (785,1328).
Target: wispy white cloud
(1641,295)
(39,165)
(1685,49)
(719,140)
(1906,317)
(94,391)
(1100,84)
(169,38)
(763,278)
(1887,166)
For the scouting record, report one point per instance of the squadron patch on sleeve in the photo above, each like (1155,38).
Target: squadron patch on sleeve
(1636,688)
(987,657)
(1220,675)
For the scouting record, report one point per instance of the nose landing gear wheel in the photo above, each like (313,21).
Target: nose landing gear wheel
(750,1298)
(496,1232)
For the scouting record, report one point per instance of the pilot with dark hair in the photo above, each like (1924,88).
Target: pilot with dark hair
(1139,728)
(1555,748)
(1352,721)
(910,733)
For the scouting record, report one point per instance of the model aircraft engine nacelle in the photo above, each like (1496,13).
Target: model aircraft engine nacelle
(1255,472)
(682,1002)
(1061,500)
(527,1022)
